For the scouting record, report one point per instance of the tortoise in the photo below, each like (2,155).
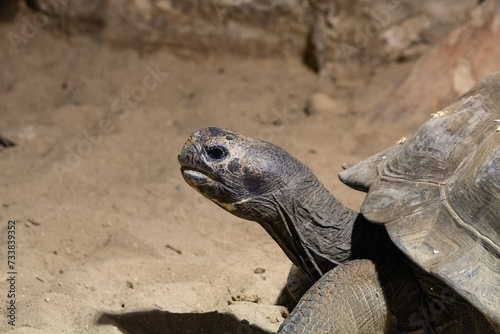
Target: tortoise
(422,256)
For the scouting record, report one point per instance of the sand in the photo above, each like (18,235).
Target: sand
(108,237)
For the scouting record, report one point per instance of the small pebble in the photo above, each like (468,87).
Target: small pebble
(320,103)
(259,270)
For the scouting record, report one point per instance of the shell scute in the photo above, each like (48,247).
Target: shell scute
(438,195)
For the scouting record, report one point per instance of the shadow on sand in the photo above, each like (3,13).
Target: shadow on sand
(164,322)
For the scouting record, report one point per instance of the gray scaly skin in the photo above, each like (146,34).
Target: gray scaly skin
(371,288)
(284,197)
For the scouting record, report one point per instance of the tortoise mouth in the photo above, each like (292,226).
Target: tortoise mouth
(195,176)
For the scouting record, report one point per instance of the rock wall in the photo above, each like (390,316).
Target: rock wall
(329,34)
(370,32)
(254,28)
(454,65)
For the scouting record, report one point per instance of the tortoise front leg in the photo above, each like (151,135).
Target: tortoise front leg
(359,296)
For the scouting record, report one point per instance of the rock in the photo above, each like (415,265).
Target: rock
(255,28)
(328,34)
(368,33)
(259,270)
(75,18)
(22,132)
(403,41)
(463,78)
(447,70)
(319,103)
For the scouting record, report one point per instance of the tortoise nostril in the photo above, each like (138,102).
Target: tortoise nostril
(216,152)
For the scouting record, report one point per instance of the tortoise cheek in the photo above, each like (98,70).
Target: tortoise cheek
(252,183)
(234,166)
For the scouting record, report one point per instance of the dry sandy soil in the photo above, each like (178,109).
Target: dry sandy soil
(109,238)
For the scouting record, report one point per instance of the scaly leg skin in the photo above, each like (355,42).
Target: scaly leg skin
(359,296)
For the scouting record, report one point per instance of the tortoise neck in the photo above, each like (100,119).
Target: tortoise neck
(317,232)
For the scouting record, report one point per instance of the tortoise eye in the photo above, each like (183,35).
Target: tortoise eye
(216,152)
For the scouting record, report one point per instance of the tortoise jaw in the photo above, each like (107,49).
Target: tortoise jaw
(195,177)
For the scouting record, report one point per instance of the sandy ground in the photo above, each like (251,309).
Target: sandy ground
(109,238)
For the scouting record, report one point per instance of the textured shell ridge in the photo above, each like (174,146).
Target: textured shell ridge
(438,194)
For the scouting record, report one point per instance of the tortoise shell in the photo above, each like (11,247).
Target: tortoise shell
(438,195)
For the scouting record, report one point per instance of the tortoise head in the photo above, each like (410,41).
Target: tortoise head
(238,173)
(259,181)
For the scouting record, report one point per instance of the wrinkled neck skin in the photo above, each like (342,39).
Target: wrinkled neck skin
(315,230)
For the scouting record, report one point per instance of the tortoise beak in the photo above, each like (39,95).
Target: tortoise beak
(194,167)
